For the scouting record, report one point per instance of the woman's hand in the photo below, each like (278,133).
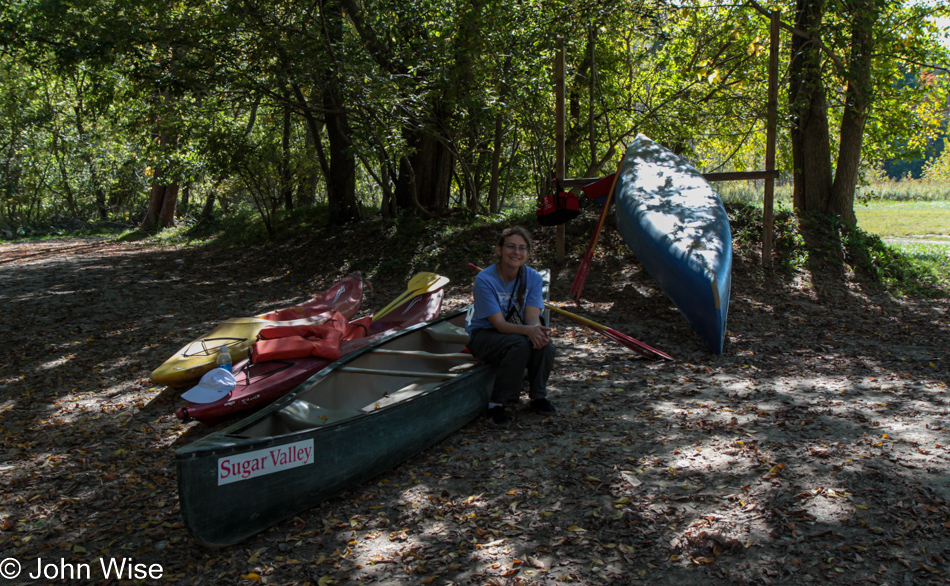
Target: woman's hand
(539,335)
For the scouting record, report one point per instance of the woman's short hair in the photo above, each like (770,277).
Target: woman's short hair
(515,231)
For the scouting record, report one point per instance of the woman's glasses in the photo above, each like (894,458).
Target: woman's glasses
(515,248)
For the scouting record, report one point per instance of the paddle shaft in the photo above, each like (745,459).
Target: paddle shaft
(578,285)
(623,342)
(613,334)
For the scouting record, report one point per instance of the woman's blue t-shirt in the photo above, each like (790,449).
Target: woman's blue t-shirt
(492,295)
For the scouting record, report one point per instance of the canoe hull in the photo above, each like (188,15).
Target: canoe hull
(674,222)
(221,507)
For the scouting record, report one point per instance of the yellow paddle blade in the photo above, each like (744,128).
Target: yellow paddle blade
(417,281)
(419,284)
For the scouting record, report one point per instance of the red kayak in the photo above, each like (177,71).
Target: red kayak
(264,382)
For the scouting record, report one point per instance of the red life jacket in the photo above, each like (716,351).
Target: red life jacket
(323,340)
(558,208)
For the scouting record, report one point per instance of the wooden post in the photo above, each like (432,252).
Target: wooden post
(559,157)
(767,212)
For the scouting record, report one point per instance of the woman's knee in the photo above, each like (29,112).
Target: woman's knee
(519,345)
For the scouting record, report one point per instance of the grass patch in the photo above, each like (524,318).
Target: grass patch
(802,243)
(933,259)
(904,219)
(885,192)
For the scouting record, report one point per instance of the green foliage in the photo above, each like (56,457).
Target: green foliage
(790,252)
(937,170)
(897,270)
(66,227)
(89,85)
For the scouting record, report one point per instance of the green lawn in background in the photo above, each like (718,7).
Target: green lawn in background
(919,229)
(905,219)
(912,217)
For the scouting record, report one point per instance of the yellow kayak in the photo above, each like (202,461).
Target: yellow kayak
(187,365)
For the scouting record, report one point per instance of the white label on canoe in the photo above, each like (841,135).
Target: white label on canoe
(258,463)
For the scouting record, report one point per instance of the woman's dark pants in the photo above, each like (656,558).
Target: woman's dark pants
(513,354)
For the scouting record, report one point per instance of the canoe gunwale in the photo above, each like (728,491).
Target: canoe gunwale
(248,443)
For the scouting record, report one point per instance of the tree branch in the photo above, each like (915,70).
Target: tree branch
(824,48)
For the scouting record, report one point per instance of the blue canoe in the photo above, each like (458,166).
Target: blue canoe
(673,221)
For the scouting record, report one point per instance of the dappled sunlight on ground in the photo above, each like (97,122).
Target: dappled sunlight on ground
(815,448)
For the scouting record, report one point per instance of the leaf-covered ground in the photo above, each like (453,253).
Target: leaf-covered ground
(814,450)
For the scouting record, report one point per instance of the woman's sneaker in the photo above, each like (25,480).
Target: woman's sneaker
(498,415)
(542,406)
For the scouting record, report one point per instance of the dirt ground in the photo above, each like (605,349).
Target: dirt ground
(814,450)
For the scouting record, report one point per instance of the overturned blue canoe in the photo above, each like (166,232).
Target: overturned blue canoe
(673,221)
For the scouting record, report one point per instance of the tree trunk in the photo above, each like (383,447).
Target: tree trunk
(387,207)
(495,165)
(64,176)
(820,187)
(811,144)
(286,176)
(164,194)
(162,204)
(341,182)
(341,185)
(493,203)
(857,103)
(186,197)
(431,173)
(162,201)
(307,190)
(207,212)
(313,127)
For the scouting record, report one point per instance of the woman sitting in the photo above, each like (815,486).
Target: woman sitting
(505,327)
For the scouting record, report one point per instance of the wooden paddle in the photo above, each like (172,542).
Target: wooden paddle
(419,284)
(619,337)
(578,285)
